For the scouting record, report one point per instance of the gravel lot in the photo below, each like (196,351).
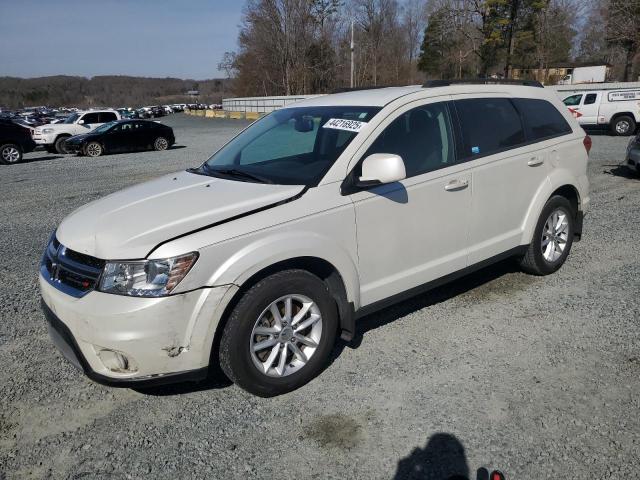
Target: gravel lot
(538,377)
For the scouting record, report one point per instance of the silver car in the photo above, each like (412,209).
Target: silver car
(632,160)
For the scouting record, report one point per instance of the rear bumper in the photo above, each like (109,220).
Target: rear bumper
(66,343)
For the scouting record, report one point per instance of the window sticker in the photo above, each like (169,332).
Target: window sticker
(475,150)
(341,124)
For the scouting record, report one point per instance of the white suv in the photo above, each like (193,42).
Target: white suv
(310,218)
(53,135)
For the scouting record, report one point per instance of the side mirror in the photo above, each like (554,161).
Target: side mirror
(381,168)
(80,122)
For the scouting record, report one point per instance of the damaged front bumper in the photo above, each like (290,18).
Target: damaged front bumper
(128,341)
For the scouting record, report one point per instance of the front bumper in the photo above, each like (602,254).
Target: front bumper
(44,138)
(165,340)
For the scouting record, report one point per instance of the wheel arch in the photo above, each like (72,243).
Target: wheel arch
(560,184)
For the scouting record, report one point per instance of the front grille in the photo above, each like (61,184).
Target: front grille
(70,271)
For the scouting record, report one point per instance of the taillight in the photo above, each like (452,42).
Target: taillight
(587,143)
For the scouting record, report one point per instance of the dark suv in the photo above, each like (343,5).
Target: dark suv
(14,141)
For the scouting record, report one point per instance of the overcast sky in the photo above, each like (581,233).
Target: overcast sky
(154,38)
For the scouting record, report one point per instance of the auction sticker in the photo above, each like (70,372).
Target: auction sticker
(342,124)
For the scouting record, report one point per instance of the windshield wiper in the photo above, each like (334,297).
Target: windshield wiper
(234,172)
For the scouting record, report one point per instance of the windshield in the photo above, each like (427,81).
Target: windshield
(72,118)
(292,146)
(104,127)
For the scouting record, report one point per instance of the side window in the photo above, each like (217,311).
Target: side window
(489,125)
(90,118)
(107,117)
(541,119)
(590,98)
(422,137)
(573,100)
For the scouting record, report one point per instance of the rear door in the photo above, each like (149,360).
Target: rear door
(506,172)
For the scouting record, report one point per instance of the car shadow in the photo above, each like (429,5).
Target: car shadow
(217,380)
(621,171)
(41,159)
(432,297)
(176,147)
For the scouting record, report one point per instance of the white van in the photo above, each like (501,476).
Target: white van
(617,110)
(312,217)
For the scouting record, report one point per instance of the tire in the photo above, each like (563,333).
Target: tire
(539,259)
(93,149)
(10,154)
(246,366)
(59,145)
(160,144)
(623,126)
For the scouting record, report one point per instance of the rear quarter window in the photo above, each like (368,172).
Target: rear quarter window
(489,125)
(541,119)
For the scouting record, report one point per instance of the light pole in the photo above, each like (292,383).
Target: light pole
(352,85)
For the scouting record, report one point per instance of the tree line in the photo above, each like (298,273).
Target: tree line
(288,47)
(106,91)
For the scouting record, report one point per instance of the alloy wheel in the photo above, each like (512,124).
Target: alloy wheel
(286,335)
(10,154)
(161,143)
(622,127)
(555,235)
(94,149)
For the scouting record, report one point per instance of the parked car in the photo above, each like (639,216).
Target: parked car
(313,216)
(633,155)
(122,136)
(53,136)
(15,140)
(616,110)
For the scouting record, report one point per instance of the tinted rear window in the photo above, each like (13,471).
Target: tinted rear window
(541,119)
(489,125)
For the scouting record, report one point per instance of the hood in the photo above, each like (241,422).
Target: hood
(80,138)
(128,224)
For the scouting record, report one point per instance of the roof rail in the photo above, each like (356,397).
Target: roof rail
(356,89)
(481,81)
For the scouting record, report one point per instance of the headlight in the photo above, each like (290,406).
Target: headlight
(146,278)
(47,130)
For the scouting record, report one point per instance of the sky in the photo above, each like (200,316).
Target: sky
(152,38)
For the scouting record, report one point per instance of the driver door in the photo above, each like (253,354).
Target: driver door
(417,230)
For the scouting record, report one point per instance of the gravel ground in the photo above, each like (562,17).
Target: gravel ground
(538,377)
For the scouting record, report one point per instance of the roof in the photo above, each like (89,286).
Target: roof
(377,97)
(382,96)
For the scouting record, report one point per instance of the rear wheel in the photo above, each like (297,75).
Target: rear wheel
(10,153)
(623,125)
(59,145)
(280,334)
(552,238)
(93,149)
(160,144)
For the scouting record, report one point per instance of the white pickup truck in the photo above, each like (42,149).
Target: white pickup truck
(618,110)
(53,136)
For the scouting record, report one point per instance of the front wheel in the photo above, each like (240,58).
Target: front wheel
(93,149)
(280,334)
(10,154)
(160,144)
(552,238)
(59,145)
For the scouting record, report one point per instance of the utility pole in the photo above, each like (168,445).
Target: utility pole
(352,66)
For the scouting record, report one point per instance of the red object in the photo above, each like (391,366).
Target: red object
(587,143)
(575,113)
(496,475)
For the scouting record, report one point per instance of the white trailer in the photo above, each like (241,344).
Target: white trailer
(596,74)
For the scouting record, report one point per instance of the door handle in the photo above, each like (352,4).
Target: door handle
(535,161)
(454,185)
